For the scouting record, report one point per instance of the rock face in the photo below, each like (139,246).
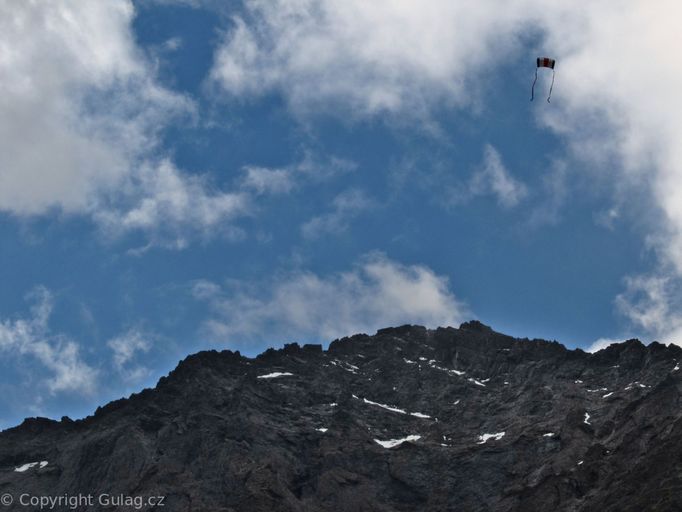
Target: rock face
(408,419)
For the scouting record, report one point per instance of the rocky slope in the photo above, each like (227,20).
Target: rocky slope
(408,419)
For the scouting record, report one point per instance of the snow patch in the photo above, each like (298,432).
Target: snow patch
(384,406)
(394,409)
(477,382)
(420,415)
(274,375)
(482,439)
(391,443)
(447,370)
(587,419)
(607,395)
(597,390)
(30,465)
(408,361)
(580,462)
(677,367)
(549,434)
(322,429)
(456,402)
(578,382)
(345,366)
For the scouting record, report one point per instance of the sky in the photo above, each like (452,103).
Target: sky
(183,175)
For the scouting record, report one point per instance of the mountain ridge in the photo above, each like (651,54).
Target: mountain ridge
(408,418)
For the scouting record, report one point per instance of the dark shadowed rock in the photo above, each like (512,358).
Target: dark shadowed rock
(408,419)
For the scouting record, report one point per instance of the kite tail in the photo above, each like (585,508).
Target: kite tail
(532,89)
(551,87)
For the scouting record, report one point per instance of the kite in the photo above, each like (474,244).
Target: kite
(543,62)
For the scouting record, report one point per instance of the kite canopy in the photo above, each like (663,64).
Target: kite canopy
(546,62)
(543,62)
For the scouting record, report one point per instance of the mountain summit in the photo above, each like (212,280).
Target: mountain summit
(463,419)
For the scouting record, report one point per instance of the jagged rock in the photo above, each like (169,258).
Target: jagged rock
(408,419)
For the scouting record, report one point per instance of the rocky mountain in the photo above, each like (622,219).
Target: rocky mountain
(449,419)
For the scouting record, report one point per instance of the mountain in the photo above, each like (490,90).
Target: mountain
(463,419)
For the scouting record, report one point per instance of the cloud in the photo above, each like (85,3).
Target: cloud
(124,348)
(262,180)
(653,304)
(619,116)
(58,354)
(172,44)
(601,344)
(494,178)
(78,103)
(365,58)
(554,193)
(607,218)
(623,114)
(345,207)
(622,119)
(377,292)
(205,290)
(403,58)
(310,169)
(81,119)
(170,207)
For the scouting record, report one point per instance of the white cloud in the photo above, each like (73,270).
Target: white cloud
(384,56)
(653,303)
(262,180)
(554,193)
(402,57)
(601,344)
(81,115)
(171,207)
(59,355)
(622,113)
(607,218)
(205,290)
(377,293)
(494,178)
(78,104)
(616,100)
(124,348)
(345,207)
(173,44)
(311,168)
(646,301)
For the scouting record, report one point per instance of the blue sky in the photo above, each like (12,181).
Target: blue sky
(187,175)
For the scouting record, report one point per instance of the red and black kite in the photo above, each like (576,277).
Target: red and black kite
(543,62)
